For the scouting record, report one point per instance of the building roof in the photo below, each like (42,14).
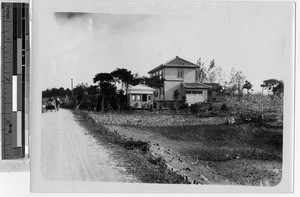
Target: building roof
(213,85)
(175,62)
(141,88)
(196,86)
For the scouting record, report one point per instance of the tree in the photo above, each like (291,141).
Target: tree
(215,75)
(124,77)
(111,98)
(121,100)
(274,85)
(61,92)
(79,93)
(54,92)
(137,80)
(247,86)
(279,89)
(179,100)
(201,72)
(228,89)
(93,93)
(103,78)
(106,88)
(209,74)
(68,92)
(46,93)
(175,97)
(154,81)
(212,64)
(108,93)
(237,79)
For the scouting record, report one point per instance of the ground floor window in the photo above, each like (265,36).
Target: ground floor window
(194,92)
(136,97)
(141,97)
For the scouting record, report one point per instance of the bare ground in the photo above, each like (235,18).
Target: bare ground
(215,154)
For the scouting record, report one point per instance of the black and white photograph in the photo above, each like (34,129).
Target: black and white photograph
(186,95)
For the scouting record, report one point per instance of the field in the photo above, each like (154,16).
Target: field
(154,120)
(209,152)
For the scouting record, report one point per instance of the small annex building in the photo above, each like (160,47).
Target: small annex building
(140,96)
(195,92)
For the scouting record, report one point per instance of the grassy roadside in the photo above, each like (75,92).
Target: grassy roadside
(135,154)
(245,154)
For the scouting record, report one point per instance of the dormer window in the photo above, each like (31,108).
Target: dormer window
(180,73)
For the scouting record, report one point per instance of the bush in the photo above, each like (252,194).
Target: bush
(224,107)
(194,108)
(68,105)
(252,104)
(204,107)
(170,105)
(184,107)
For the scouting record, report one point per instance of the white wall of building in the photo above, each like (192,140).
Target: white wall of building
(189,75)
(173,82)
(170,87)
(195,98)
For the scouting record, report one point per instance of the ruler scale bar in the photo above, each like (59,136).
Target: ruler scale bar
(23,111)
(26,80)
(15,79)
(15,45)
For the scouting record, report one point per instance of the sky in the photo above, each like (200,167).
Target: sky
(254,37)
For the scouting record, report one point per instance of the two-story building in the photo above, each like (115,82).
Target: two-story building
(179,74)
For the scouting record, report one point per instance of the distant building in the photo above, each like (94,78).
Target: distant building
(140,96)
(179,74)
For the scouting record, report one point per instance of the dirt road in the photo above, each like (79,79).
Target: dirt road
(69,152)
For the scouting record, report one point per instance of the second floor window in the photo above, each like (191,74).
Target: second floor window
(180,73)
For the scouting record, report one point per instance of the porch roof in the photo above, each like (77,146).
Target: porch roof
(196,86)
(141,89)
